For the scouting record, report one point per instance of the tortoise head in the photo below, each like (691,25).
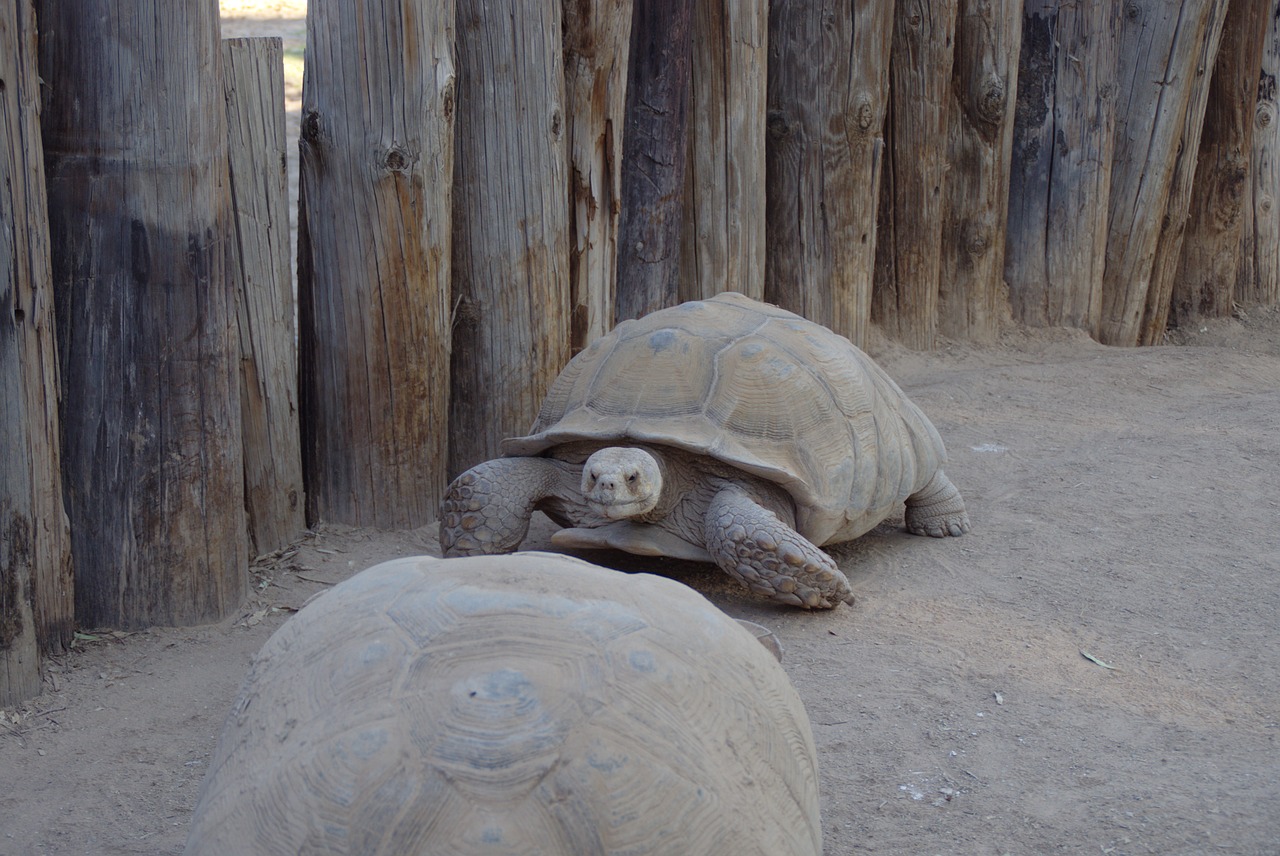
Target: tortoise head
(621,482)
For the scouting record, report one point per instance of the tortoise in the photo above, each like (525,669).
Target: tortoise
(521,704)
(724,430)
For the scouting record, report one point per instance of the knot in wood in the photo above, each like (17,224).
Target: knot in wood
(976,242)
(777,125)
(311,126)
(864,114)
(1132,11)
(396,159)
(555,123)
(992,100)
(1264,115)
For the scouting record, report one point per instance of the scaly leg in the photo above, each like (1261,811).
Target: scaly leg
(937,509)
(487,509)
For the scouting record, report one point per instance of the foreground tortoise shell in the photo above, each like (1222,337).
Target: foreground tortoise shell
(525,704)
(723,430)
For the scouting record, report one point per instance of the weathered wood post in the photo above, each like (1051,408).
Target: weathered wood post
(1259,277)
(828,92)
(376,167)
(597,39)
(136,160)
(654,155)
(1060,173)
(972,299)
(1206,280)
(511,224)
(909,257)
(724,217)
(253,84)
(36,586)
(1163,48)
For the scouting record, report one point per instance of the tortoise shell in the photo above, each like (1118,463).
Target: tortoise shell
(519,704)
(760,389)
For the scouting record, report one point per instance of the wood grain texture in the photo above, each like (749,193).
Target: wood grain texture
(1206,281)
(374,235)
(906,301)
(253,84)
(724,218)
(36,585)
(1259,277)
(1165,269)
(972,298)
(511,224)
(1162,62)
(136,159)
(597,44)
(1060,172)
(654,157)
(828,92)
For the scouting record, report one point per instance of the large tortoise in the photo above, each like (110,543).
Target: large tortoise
(526,704)
(723,430)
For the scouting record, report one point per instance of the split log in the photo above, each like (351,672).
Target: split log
(1060,174)
(253,84)
(136,160)
(1259,278)
(1163,56)
(511,223)
(828,93)
(597,39)
(972,298)
(36,585)
(376,159)
(906,303)
(654,153)
(1206,280)
(724,217)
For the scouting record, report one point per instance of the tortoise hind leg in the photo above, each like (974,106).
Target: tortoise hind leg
(752,545)
(487,509)
(937,509)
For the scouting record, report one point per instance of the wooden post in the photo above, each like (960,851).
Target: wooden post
(511,224)
(253,84)
(724,218)
(654,153)
(828,93)
(923,46)
(1206,280)
(1060,173)
(136,160)
(1164,270)
(972,299)
(597,39)
(1259,277)
(1162,51)
(376,166)
(36,586)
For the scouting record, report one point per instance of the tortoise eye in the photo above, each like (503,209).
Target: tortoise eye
(631,479)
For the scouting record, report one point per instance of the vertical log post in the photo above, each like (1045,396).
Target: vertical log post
(1259,278)
(828,93)
(36,586)
(972,299)
(136,160)
(920,82)
(597,39)
(724,219)
(1162,51)
(511,224)
(253,84)
(1206,280)
(1164,270)
(376,165)
(654,153)
(1060,173)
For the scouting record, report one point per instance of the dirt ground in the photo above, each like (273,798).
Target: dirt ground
(1093,669)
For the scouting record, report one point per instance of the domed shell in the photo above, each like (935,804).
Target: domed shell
(520,704)
(760,389)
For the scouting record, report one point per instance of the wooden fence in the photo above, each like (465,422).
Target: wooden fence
(485,187)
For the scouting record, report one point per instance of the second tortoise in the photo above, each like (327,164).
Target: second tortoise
(724,430)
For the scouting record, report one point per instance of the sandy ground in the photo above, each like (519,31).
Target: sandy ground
(1125,508)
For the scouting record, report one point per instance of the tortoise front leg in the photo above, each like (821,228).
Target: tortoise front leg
(487,509)
(751,544)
